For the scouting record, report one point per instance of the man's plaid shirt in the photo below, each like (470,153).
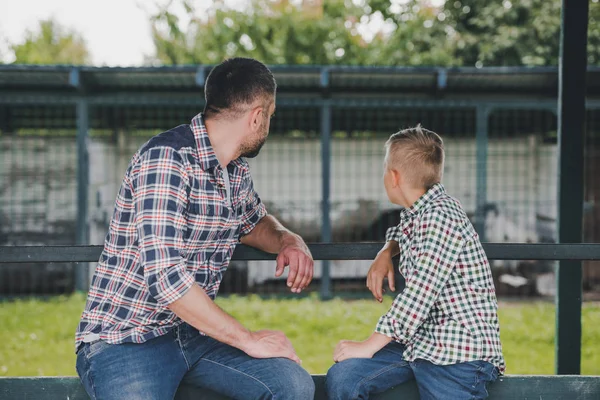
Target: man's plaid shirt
(447,312)
(172,227)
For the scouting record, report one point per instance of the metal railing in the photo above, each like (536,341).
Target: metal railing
(568,335)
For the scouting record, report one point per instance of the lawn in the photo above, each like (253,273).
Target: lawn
(36,337)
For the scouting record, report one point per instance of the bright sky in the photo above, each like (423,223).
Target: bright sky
(117,32)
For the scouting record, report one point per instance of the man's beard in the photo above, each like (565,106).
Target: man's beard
(253,150)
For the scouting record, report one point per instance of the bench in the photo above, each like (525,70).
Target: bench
(545,387)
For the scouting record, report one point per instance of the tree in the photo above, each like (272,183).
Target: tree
(283,32)
(517,32)
(415,33)
(276,32)
(51,44)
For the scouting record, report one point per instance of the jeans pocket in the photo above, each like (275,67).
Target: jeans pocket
(96,347)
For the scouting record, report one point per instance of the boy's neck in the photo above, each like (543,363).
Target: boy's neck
(411,195)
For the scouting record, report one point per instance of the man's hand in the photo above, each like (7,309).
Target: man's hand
(349,349)
(380,268)
(270,344)
(296,254)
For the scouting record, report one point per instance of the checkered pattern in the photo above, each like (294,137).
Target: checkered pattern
(447,312)
(172,227)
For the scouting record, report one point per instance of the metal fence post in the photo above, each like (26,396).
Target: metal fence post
(326,183)
(82,273)
(571,128)
(481,138)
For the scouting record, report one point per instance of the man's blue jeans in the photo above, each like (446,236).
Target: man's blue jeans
(357,378)
(154,370)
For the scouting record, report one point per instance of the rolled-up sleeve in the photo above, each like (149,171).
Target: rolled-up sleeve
(253,211)
(442,244)
(159,184)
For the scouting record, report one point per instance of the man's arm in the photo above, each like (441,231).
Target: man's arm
(159,189)
(270,236)
(198,310)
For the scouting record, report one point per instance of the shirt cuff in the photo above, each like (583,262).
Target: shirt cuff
(252,219)
(170,284)
(392,234)
(390,327)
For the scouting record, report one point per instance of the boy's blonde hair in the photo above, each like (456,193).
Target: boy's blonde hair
(418,153)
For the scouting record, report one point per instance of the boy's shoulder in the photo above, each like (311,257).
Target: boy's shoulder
(450,209)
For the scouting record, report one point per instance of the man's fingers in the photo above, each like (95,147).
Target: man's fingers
(308,272)
(280,265)
(392,280)
(294,357)
(293,271)
(301,274)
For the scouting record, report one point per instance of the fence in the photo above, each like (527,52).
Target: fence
(67,135)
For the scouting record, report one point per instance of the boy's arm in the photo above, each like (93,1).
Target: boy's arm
(381,267)
(349,349)
(442,245)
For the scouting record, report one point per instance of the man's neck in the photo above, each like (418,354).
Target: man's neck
(224,139)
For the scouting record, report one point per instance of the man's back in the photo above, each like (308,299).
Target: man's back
(172,227)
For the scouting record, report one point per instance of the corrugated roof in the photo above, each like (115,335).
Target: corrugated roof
(363,98)
(290,79)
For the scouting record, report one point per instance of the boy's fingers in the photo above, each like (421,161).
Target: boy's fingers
(378,288)
(391,280)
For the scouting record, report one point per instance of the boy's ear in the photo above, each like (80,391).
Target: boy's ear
(396,177)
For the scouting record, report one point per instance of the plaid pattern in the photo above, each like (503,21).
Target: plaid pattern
(172,227)
(447,312)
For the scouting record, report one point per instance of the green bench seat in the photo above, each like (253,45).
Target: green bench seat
(526,387)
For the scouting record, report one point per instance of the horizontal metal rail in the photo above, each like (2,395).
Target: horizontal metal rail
(320,251)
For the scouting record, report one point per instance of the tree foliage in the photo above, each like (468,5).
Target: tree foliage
(460,32)
(51,44)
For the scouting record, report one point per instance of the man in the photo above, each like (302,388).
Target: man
(186,200)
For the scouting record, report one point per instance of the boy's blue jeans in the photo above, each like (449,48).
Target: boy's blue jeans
(357,378)
(154,369)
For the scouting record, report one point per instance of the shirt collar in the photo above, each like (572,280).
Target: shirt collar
(433,193)
(206,153)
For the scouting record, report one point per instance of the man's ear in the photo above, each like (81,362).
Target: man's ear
(255,118)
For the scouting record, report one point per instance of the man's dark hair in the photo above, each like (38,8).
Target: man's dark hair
(235,84)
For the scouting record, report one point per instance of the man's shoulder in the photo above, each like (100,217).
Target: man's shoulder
(176,138)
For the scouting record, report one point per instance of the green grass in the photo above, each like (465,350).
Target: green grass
(36,337)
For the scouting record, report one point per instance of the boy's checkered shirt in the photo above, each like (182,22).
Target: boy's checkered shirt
(447,312)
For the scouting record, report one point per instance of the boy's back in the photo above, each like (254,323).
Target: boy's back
(449,313)
(442,330)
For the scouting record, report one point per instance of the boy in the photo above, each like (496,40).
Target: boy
(442,330)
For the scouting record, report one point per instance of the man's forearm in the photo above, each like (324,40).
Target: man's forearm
(198,310)
(269,235)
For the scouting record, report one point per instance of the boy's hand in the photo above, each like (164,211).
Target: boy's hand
(349,349)
(382,266)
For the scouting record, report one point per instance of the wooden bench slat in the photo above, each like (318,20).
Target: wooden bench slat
(546,387)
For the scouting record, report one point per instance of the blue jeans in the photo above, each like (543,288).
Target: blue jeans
(357,378)
(154,369)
